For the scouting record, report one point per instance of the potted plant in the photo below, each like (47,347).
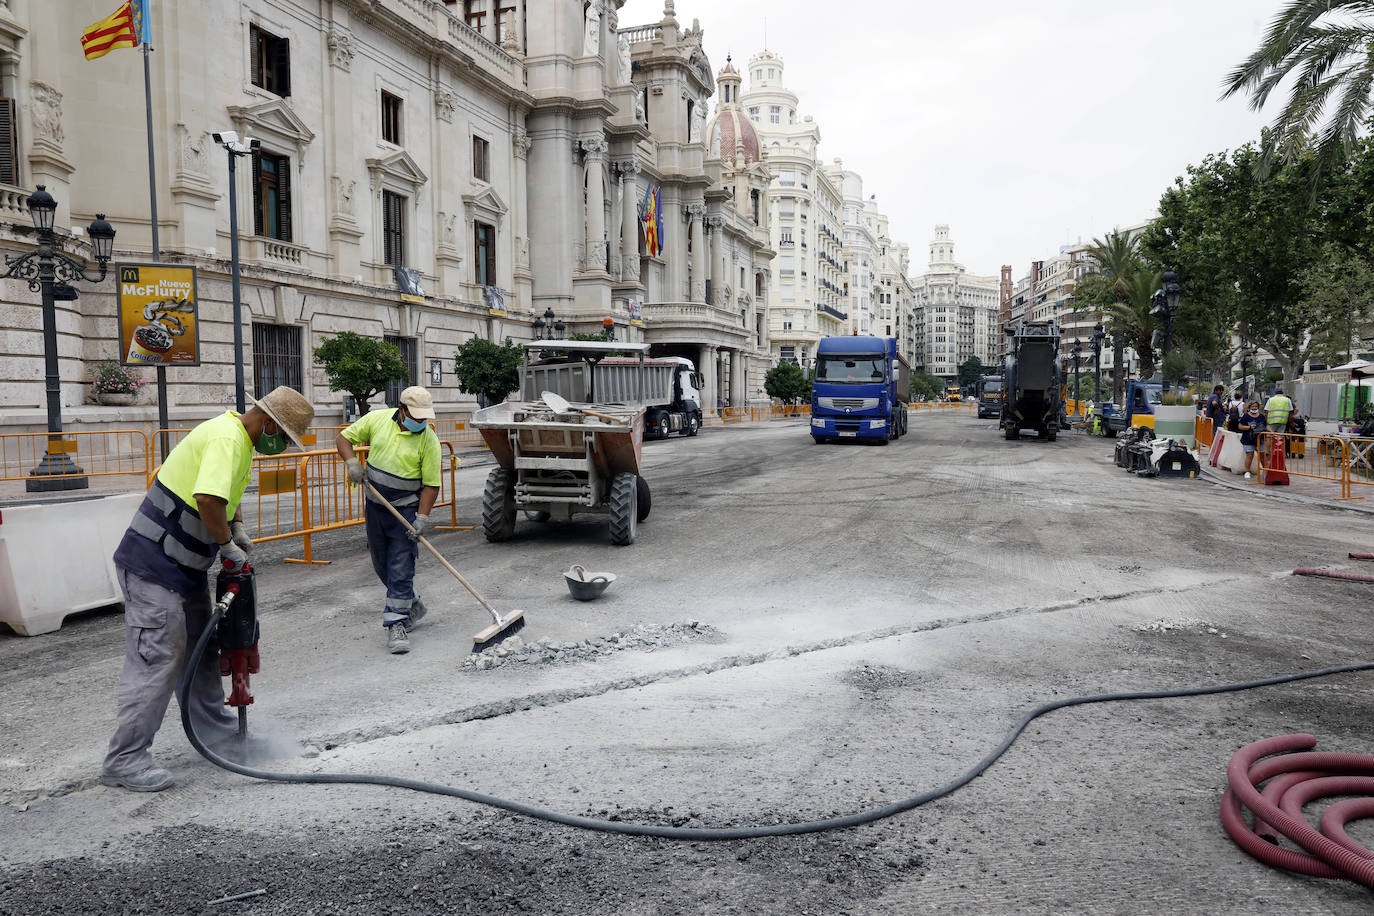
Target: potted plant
(1177,411)
(116,384)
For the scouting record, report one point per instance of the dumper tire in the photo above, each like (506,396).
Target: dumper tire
(498,505)
(644,497)
(1012,433)
(624,509)
(1052,435)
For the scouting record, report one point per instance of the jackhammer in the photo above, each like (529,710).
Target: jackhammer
(236,600)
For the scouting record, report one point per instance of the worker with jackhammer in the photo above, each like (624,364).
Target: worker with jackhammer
(190,515)
(402,468)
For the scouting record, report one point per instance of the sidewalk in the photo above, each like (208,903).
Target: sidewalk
(1302,490)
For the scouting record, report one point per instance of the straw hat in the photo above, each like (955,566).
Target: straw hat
(418,402)
(289,409)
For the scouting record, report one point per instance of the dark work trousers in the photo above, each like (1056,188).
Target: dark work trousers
(393,557)
(159,626)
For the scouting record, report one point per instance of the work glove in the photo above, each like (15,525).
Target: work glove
(421,526)
(354,469)
(234,555)
(239,532)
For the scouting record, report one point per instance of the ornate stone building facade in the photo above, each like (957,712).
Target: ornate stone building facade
(501,148)
(956,315)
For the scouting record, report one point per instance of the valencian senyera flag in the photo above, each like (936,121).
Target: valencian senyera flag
(651,214)
(126,27)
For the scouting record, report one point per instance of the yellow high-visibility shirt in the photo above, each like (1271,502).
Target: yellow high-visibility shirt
(397,451)
(215,458)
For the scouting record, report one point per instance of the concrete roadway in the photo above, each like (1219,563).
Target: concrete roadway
(876,619)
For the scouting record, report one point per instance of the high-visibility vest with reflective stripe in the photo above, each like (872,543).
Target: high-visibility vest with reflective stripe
(399,463)
(167,543)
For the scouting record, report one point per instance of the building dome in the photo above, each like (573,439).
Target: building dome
(730,128)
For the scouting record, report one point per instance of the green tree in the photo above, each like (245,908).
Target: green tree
(1328,47)
(361,366)
(1118,258)
(1241,240)
(1339,291)
(488,369)
(787,383)
(971,370)
(926,386)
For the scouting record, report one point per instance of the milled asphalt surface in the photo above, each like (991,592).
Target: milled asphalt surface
(801,631)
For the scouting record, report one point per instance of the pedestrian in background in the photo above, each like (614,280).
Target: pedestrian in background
(1234,410)
(1215,407)
(403,467)
(191,513)
(1251,425)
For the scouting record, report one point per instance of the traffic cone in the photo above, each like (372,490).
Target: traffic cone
(1277,473)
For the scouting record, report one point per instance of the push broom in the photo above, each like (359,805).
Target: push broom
(501,627)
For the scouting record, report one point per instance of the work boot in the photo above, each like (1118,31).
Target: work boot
(153,779)
(417,613)
(397,639)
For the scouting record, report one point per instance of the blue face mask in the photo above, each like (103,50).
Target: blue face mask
(415,426)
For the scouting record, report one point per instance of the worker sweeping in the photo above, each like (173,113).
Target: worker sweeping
(402,468)
(190,515)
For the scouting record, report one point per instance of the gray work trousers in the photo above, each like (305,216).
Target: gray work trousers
(159,625)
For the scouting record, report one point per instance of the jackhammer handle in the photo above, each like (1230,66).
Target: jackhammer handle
(430,547)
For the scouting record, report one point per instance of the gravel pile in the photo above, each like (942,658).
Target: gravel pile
(1185,624)
(641,637)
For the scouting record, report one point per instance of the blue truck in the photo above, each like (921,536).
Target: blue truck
(860,390)
(1136,409)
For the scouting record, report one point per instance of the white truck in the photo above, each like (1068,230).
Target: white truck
(667,388)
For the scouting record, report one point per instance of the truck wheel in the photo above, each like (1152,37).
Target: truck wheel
(624,511)
(693,424)
(1012,433)
(663,426)
(646,499)
(498,505)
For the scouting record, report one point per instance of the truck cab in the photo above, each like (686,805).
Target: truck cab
(859,390)
(1137,408)
(990,394)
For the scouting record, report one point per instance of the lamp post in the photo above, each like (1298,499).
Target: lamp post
(549,327)
(1165,301)
(1077,351)
(47,271)
(236,148)
(1246,354)
(1098,336)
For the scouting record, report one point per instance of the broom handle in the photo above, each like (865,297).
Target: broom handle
(430,547)
(602,416)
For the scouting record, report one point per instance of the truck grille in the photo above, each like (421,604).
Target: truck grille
(848,403)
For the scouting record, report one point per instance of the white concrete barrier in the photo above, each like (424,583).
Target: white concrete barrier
(1232,456)
(56,559)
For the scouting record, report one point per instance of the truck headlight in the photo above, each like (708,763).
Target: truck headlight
(876,424)
(817,421)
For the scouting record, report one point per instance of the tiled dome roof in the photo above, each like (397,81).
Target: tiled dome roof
(731,125)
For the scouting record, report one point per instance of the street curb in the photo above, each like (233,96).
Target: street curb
(1273,493)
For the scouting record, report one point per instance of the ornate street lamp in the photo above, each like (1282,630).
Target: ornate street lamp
(1165,301)
(48,271)
(1246,354)
(549,327)
(1098,336)
(235,148)
(1077,352)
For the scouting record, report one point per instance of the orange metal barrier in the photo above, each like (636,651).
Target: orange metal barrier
(1203,433)
(106,453)
(1317,458)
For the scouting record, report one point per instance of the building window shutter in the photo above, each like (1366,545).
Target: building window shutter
(9,144)
(282,51)
(255,55)
(257,196)
(284,199)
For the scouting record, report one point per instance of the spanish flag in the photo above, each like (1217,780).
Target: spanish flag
(126,27)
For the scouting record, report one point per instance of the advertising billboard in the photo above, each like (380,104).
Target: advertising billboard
(158,315)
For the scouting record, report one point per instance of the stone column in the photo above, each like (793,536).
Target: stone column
(695,214)
(520,143)
(738,387)
(629,221)
(717,280)
(594,150)
(709,366)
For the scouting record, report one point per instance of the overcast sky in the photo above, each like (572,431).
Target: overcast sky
(1024,125)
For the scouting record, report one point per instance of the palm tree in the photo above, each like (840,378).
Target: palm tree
(1329,44)
(1118,256)
(1130,315)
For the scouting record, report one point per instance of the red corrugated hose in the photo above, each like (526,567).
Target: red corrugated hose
(1294,780)
(1332,574)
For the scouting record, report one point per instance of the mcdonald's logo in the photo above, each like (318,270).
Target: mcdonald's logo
(128,275)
